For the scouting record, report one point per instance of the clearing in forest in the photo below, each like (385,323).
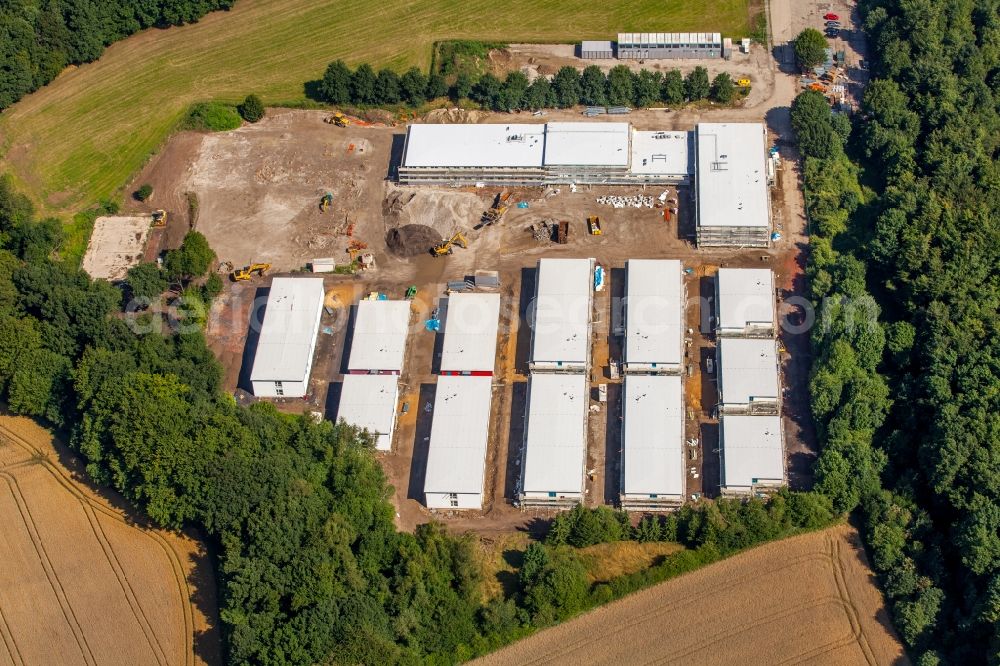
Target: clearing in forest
(81,583)
(808,599)
(80,138)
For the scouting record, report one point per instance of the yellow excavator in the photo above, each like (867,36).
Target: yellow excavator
(497,210)
(325,202)
(159,218)
(447,246)
(245,273)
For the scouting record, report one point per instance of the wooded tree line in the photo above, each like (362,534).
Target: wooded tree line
(38,38)
(568,87)
(908,405)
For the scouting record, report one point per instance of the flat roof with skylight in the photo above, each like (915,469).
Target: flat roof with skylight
(732,178)
(653,315)
(369,402)
(653,437)
(288,335)
(378,342)
(745,299)
(555,441)
(561,323)
(456,456)
(751,452)
(470,333)
(662,153)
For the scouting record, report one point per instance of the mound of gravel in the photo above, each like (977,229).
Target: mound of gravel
(411,239)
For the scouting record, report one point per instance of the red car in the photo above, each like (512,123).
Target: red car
(831,17)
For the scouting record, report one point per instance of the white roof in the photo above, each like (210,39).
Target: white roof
(369,402)
(654,311)
(653,38)
(732,178)
(472,145)
(379,337)
(457,454)
(470,332)
(587,144)
(555,443)
(595,45)
(661,153)
(288,334)
(751,450)
(749,370)
(746,296)
(561,324)
(653,435)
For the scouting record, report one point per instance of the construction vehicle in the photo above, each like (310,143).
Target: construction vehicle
(159,218)
(498,209)
(354,248)
(743,83)
(325,202)
(411,292)
(338,119)
(245,273)
(594,225)
(447,246)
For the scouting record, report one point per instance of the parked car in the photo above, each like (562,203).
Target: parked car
(832,33)
(833,24)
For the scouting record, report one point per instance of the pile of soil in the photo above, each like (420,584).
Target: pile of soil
(411,239)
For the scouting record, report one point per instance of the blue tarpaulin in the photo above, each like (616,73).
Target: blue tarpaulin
(433,325)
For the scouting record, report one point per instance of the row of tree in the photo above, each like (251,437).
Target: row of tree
(905,250)
(38,38)
(567,88)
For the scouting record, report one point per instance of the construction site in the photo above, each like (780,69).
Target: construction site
(315,192)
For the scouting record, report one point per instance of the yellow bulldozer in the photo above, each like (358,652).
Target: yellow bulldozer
(447,246)
(325,202)
(338,119)
(159,218)
(245,273)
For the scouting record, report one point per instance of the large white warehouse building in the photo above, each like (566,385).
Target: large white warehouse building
(369,402)
(561,320)
(456,459)
(378,340)
(609,153)
(470,334)
(653,475)
(751,454)
(745,301)
(733,194)
(284,355)
(748,376)
(555,442)
(654,307)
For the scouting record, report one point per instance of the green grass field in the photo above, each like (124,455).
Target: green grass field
(79,139)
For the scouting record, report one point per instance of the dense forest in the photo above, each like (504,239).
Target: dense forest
(38,38)
(906,250)
(569,87)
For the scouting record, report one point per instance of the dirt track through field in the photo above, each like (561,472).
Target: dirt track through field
(81,582)
(809,599)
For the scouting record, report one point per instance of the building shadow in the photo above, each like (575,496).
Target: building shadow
(332,406)
(685,218)
(257,311)
(524,304)
(395,156)
(706,305)
(421,443)
(515,438)
(613,445)
(711,470)
(439,336)
(709,386)
(345,355)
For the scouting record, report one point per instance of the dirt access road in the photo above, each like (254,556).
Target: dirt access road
(809,599)
(82,582)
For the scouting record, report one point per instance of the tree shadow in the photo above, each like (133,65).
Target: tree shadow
(311,89)
(256,321)
(421,443)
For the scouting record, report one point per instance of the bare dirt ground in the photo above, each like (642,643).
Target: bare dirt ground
(808,599)
(82,582)
(116,244)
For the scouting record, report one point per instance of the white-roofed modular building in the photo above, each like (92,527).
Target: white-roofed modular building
(653,474)
(654,308)
(378,340)
(745,303)
(733,196)
(751,454)
(555,441)
(748,376)
(597,152)
(655,45)
(561,316)
(470,334)
(456,458)
(287,340)
(369,402)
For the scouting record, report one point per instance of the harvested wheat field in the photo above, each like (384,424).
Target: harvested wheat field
(810,599)
(83,584)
